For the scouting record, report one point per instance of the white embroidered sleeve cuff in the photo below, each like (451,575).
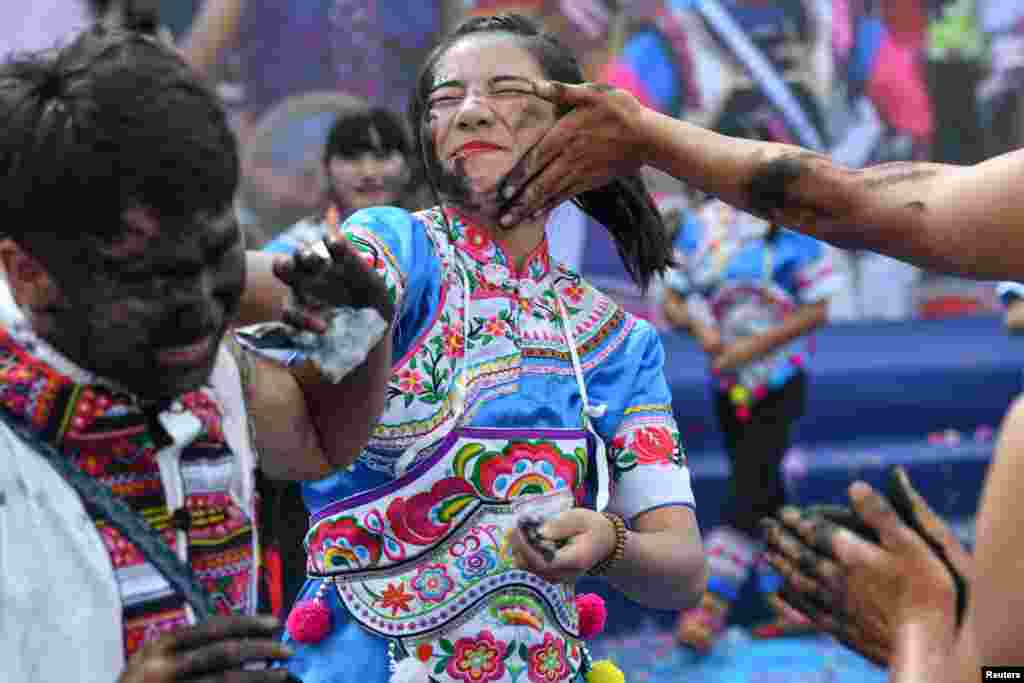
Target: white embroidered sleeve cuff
(649,487)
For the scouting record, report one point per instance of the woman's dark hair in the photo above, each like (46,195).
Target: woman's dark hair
(375,130)
(114,120)
(623,207)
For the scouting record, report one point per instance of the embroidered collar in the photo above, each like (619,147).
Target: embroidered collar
(478,245)
(23,334)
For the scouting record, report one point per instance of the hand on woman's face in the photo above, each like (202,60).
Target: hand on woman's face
(483,116)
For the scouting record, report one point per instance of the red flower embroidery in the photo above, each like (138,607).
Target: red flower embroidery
(495,327)
(395,598)
(574,293)
(478,660)
(477,244)
(654,446)
(527,468)
(547,661)
(410,381)
(454,342)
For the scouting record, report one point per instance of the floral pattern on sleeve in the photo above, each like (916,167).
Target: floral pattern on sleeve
(652,444)
(376,254)
(648,463)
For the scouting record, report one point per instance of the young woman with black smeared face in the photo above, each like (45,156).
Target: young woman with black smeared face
(481,118)
(509,363)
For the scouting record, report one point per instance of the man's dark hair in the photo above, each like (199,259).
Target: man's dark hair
(112,121)
(623,207)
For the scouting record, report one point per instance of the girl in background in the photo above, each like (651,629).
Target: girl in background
(749,292)
(367,162)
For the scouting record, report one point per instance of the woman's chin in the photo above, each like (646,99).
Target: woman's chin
(366,200)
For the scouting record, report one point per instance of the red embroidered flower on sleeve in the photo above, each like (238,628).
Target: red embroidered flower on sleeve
(654,446)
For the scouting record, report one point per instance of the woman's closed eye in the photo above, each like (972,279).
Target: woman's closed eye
(504,92)
(444,100)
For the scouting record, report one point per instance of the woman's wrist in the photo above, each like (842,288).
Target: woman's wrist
(618,552)
(921,645)
(646,130)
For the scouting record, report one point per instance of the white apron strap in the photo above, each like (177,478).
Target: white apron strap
(589,412)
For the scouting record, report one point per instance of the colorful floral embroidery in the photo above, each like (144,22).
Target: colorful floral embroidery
(507,330)
(454,341)
(343,543)
(574,293)
(495,326)
(547,662)
(410,381)
(395,598)
(477,244)
(522,468)
(518,610)
(477,660)
(106,434)
(477,564)
(426,516)
(654,446)
(432,583)
(377,256)
(646,445)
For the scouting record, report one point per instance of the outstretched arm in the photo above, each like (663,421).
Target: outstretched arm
(956,219)
(306,425)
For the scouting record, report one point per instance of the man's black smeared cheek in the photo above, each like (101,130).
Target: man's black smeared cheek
(229,282)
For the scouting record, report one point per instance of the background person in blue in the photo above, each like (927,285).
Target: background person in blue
(511,376)
(749,292)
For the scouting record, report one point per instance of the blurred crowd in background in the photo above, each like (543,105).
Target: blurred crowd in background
(866,81)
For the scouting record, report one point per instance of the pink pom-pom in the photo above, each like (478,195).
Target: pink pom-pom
(592,615)
(309,621)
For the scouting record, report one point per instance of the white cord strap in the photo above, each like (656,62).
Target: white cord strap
(589,412)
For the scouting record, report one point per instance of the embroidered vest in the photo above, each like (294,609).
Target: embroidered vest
(108,436)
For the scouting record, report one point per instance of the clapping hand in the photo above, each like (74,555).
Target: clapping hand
(862,591)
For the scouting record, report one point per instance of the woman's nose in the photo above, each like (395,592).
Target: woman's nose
(474,113)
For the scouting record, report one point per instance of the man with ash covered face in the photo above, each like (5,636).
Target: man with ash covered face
(130,426)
